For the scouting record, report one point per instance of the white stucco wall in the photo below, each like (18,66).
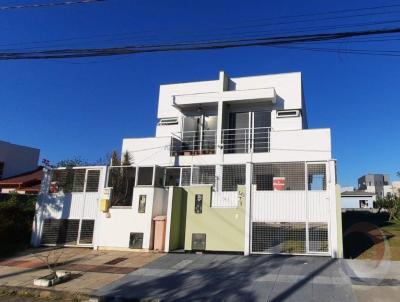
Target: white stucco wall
(115,231)
(18,159)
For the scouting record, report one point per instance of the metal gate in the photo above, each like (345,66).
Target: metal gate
(69,208)
(289,208)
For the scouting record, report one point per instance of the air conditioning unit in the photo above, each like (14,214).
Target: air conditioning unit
(198,242)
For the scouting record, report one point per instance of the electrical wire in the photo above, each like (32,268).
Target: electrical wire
(48,4)
(135,49)
(216,32)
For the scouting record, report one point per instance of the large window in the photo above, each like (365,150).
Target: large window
(122,181)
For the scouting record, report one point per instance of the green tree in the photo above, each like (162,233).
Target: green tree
(391,203)
(76,161)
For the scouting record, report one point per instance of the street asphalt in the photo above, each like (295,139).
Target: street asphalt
(218,277)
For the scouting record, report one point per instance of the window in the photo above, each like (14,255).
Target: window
(145,176)
(279,176)
(316,177)
(363,204)
(1,169)
(122,181)
(232,176)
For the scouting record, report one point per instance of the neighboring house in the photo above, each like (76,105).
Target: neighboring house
(233,168)
(25,183)
(375,183)
(17,159)
(358,200)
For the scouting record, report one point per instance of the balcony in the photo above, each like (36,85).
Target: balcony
(246,140)
(193,142)
(242,140)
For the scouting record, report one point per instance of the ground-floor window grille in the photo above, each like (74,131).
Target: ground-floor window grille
(74,180)
(318,237)
(232,176)
(172,176)
(279,237)
(86,233)
(203,175)
(186,172)
(159,176)
(316,176)
(65,231)
(145,176)
(279,176)
(60,231)
(122,181)
(92,181)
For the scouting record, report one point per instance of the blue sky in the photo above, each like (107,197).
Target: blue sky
(85,107)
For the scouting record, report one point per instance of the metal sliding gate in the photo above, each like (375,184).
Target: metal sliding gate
(289,208)
(69,209)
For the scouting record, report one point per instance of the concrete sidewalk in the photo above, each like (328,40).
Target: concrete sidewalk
(190,277)
(91,269)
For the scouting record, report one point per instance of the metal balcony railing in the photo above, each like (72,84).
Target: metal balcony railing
(241,140)
(245,140)
(193,142)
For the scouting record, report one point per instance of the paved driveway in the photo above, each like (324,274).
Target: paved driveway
(209,277)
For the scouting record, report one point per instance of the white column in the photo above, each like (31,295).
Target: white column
(219,151)
(333,211)
(247,214)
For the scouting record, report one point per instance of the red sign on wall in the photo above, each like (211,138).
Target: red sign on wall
(278,183)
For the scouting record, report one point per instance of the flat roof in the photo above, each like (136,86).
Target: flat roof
(357,193)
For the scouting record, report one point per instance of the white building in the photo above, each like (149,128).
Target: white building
(233,167)
(17,159)
(358,200)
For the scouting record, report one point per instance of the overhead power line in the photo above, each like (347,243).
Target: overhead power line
(48,4)
(226,30)
(185,46)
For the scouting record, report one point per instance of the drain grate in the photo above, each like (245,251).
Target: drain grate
(115,261)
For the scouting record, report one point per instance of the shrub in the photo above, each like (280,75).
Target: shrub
(16,217)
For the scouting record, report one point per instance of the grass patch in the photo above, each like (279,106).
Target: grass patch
(365,235)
